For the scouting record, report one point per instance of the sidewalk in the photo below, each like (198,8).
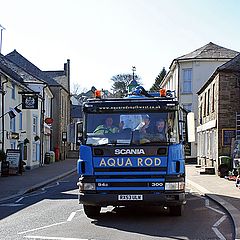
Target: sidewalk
(16,185)
(218,189)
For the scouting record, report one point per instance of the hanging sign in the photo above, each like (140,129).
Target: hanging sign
(29,102)
(48,120)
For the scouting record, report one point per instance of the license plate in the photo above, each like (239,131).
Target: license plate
(130,197)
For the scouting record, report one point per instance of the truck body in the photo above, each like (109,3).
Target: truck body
(130,167)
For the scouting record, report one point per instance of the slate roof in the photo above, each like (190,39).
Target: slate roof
(30,68)
(76,111)
(19,72)
(232,65)
(5,68)
(54,74)
(210,51)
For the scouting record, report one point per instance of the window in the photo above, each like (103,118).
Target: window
(205,105)
(208,102)
(200,114)
(213,97)
(13,144)
(187,80)
(13,91)
(20,121)
(35,120)
(12,123)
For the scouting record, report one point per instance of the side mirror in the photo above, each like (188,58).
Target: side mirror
(79,132)
(190,127)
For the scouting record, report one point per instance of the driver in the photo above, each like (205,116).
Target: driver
(107,127)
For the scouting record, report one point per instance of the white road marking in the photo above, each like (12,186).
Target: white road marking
(216,224)
(32,230)
(54,185)
(220,221)
(71,217)
(54,238)
(35,194)
(220,236)
(11,204)
(20,199)
(216,210)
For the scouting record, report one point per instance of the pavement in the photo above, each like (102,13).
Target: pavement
(30,180)
(220,190)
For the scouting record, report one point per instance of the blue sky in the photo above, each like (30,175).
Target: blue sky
(103,38)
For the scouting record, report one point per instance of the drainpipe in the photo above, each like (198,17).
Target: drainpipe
(178,92)
(3,104)
(42,127)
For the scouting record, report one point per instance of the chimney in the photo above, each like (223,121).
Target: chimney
(67,72)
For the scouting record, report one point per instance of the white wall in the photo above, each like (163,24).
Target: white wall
(201,72)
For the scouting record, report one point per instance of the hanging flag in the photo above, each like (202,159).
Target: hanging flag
(11,114)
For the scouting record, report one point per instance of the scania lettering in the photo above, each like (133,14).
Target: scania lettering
(129,151)
(132,152)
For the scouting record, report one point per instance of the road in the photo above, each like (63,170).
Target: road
(54,213)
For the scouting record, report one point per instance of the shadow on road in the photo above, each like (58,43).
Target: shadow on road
(54,191)
(195,223)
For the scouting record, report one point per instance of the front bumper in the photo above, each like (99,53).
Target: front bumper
(104,200)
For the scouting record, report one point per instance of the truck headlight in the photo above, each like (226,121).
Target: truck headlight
(174,185)
(86,186)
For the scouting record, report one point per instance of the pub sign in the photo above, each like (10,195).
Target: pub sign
(29,102)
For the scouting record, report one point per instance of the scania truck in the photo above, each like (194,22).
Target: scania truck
(131,166)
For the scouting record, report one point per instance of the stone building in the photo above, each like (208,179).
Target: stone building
(218,103)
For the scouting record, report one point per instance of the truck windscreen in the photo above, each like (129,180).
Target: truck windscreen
(131,128)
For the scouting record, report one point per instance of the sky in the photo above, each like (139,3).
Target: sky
(103,38)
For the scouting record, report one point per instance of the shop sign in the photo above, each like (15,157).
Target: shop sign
(14,135)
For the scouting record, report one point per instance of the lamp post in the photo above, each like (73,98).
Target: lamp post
(133,70)
(1,29)
(133,83)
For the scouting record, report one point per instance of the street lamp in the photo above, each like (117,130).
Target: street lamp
(133,69)
(1,29)
(133,83)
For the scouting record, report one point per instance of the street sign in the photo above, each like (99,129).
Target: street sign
(64,136)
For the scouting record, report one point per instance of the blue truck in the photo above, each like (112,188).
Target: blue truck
(130,163)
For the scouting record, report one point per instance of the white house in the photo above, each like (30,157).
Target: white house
(188,73)
(27,129)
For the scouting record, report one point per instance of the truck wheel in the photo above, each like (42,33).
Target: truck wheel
(92,211)
(176,210)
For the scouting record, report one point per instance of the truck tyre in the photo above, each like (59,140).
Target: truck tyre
(176,210)
(92,211)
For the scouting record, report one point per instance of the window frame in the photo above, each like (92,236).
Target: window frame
(187,80)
